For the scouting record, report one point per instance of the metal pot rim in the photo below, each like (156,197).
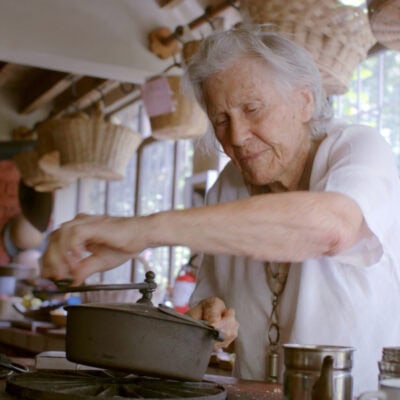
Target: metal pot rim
(316,348)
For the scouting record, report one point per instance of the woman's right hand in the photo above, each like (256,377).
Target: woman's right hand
(214,311)
(90,244)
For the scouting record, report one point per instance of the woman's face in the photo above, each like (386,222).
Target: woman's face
(266,136)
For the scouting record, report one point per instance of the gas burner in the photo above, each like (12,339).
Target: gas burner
(84,385)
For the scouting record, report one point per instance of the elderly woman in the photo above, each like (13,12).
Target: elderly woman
(302,228)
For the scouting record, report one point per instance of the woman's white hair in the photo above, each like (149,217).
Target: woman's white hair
(291,65)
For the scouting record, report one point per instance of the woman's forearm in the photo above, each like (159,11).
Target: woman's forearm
(282,227)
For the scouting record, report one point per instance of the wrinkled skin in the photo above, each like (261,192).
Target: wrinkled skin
(264,133)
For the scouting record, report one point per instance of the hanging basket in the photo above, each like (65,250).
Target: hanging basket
(29,164)
(89,146)
(337,36)
(385,22)
(187,120)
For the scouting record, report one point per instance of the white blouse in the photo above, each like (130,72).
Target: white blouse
(350,299)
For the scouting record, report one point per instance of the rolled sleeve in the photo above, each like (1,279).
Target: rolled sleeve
(360,165)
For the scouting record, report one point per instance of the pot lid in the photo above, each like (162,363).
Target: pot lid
(161,312)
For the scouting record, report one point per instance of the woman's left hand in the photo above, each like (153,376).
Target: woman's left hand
(214,311)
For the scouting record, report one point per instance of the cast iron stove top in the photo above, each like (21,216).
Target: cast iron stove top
(85,385)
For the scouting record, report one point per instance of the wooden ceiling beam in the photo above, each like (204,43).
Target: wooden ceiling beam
(7,71)
(84,92)
(129,101)
(45,90)
(117,95)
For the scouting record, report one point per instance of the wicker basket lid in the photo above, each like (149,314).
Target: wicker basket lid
(89,147)
(385,22)
(337,36)
(188,120)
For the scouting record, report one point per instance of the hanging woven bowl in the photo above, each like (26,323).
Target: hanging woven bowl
(337,36)
(187,120)
(385,22)
(90,146)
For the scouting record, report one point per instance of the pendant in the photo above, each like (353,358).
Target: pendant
(273,366)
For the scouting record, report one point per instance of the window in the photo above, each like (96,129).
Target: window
(164,167)
(374,97)
(154,181)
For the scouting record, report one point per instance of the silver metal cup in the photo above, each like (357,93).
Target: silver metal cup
(318,372)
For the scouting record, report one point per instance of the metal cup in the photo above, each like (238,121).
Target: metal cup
(317,372)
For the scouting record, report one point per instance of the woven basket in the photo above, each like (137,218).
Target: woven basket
(33,175)
(90,147)
(188,120)
(385,22)
(337,36)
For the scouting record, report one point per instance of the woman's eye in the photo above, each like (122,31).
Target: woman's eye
(251,109)
(221,121)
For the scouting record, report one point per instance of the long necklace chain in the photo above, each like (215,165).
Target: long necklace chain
(277,279)
(276,282)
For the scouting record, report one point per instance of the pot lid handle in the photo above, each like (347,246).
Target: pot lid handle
(191,321)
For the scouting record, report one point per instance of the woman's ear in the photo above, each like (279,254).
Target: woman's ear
(306,103)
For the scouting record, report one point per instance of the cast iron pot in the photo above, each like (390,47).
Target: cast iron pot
(140,338)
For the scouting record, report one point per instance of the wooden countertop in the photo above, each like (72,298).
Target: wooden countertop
(32,337)
(239,389)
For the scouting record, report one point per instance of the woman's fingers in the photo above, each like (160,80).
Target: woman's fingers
(209,310)
(214,311)
(229,326)
(54,263)
(75,234)
(196,312)
(62,253)
(70,251)
(100,259)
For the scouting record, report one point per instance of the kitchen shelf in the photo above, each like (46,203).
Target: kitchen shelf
(33,342)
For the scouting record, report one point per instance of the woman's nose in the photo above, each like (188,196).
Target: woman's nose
(239,131)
